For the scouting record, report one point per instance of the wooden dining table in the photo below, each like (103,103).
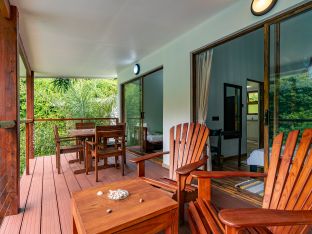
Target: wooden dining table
(83,135)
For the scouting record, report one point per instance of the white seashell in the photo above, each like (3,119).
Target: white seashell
(118,194)
(99,193)
(109,211)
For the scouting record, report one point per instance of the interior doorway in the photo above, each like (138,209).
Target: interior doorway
(254,116)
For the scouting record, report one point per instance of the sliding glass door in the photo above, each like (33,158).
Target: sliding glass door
(133,113)
(289,75)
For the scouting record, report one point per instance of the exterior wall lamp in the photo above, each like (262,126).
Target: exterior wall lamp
(261,7)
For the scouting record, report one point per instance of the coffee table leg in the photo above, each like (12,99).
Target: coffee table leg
(174,227)
(75,231)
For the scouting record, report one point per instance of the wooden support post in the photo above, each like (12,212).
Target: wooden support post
(30,118)
(5,8)
(9,111)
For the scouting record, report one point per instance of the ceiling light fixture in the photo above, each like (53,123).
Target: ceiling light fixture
(261,7)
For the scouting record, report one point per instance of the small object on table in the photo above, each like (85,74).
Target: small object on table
(99,193)
(109,211)
(118,194)
(141,200)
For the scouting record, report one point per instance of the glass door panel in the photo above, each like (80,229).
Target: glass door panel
(290,82)
(133,114)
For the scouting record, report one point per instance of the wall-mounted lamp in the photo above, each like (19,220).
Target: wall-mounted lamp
(261,7)
(136,69)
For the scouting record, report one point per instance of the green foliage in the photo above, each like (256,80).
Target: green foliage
(294,103)
(58,98)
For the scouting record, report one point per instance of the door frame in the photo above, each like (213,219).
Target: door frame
(296,10)
(122,86)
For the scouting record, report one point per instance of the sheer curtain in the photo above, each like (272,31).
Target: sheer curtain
(203,72)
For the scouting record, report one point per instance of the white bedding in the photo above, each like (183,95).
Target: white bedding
(154,138)
(256,158)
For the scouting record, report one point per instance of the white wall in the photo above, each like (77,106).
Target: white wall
(153,101)
(234,62)
(175,57)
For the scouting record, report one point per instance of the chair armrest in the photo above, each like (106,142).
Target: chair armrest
(223,174)
(264,217)
(187,169)
(147,157)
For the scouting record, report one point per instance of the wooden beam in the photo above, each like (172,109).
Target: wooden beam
(23,55)
(9,111)
(5,8)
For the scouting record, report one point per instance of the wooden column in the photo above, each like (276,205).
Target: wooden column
(30,119)
(9,111)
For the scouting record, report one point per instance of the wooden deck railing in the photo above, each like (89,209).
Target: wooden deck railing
(34,126)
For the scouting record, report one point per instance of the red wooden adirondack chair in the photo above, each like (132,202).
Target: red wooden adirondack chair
(187,142)
(287,201)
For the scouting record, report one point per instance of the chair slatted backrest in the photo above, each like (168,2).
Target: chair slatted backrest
(110,131)
(88,125)
(187,142)
(289,181)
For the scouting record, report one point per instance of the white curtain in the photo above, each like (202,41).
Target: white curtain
(203,72)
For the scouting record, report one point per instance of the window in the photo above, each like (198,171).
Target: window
(252,103)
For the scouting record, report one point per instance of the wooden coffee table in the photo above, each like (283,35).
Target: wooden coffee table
(157,212)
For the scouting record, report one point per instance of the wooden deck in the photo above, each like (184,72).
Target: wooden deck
(45,195)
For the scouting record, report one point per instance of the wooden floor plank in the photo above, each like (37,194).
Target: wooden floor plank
(32,217)
(81,178)
(12,224)
(70,178)
(63,200)
(50,222)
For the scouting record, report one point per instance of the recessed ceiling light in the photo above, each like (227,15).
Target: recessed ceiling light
(261,7)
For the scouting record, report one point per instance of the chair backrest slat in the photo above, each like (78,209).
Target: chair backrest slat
(193,143)
(284,168)
(182,145)
(274,160)
(187,142)
(172,143)
(289,181)
(303,181)
(295,168)
(176,149)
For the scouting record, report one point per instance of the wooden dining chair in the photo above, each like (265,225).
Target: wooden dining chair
(187,143)
(287,202)
(99,149)
(63,149)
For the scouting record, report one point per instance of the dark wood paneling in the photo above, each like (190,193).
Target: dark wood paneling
(9,111)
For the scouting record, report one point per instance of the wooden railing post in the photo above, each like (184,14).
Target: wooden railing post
(30,118)
(9,111)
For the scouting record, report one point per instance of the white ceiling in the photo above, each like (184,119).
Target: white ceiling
(99,37)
